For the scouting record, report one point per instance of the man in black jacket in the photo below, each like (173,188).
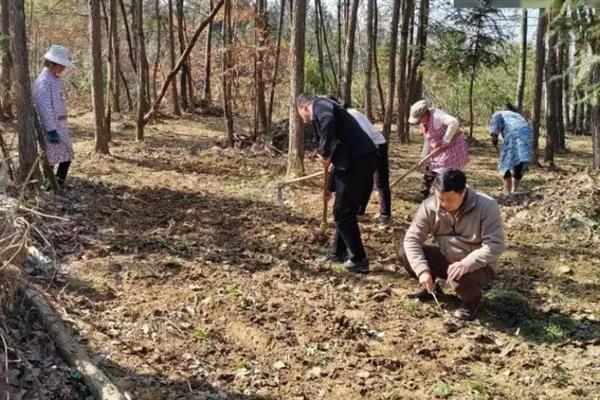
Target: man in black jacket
(343,143)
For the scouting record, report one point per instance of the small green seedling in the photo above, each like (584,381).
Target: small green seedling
(442,390)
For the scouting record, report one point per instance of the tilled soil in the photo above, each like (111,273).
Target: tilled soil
(186,280)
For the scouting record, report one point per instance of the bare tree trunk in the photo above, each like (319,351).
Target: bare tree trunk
(375,61)
(100,129)
(227,73)
(401,120)
(551,99)
(324,29)
(295,166)
(184,57)
(277,58)
(595,120)
(6,63)
(349,53)
(115,65)
(523,62)
(370,51)
(208,60)
(126,86)
(262,32)
(387,124)
(567,92)
(158,46)
(320,61)
(142,84)
(130,49)
(28,152)
(559,144)
(540,56)
(471,84)
(339,46)
(183,87)
(174,96)
(421,44)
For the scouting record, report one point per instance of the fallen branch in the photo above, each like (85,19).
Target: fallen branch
(73,353)
(182,59)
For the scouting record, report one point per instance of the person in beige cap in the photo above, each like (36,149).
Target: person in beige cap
(49,99)
(442,135)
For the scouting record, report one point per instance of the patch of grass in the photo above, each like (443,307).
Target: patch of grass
(413,307)
(442,390)
(200,334)
(234,292)
(241,364)
(549,330)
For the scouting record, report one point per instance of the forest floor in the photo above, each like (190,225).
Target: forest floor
(185,280)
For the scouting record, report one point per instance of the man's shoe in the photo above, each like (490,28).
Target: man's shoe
(467,311)
(358,267)
(331,257)
(424,296)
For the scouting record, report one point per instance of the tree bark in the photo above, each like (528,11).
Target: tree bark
(277,60)
(522,62)
(349,53)
(324,29)
(6,62)
(295,165)
(567,89)
(559,144)
(227,73)
(387,124)
(141,56)
(540,56)
(595,121)
(401,118)
(158,46)
(128,38)
(208,60)
(369,67)
(262,35)
(174,96)
(115,65)
(28,152)
(375,61)
(421,44)
(551,99)
(101,131)
(183,86)
(339,46)
(184,57)
(320,57)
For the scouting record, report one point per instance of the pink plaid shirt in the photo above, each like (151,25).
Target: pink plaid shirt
(454,156)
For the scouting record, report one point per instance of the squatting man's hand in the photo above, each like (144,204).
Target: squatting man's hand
(457,270)
(427,281)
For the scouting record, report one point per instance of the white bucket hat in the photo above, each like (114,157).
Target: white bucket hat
(416,111)
(59,55)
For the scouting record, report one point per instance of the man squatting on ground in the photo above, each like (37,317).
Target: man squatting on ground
(467,229)
(346,146)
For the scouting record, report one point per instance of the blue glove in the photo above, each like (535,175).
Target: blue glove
(53,136)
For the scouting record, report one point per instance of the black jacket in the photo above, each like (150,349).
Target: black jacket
(340,136)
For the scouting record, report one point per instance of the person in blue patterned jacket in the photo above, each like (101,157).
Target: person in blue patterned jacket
(517,146)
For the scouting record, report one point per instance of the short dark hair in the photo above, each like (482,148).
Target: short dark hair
(305,98)
(449,180)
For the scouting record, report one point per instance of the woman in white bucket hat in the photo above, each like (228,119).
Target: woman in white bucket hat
(48,95)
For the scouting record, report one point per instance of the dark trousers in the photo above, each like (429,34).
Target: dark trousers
(350,187)
(517,172)
(468,287)
(382,183)
(428,179)
(62,171)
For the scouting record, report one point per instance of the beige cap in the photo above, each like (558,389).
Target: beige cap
(417,110)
